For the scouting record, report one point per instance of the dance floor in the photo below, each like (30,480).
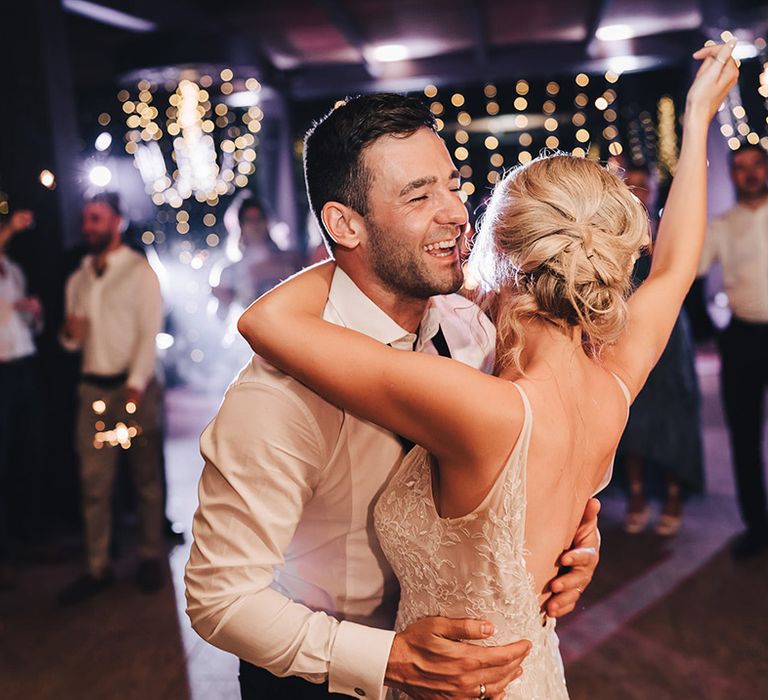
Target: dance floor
(663,620)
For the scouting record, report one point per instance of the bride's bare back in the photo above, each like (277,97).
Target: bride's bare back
(579,411)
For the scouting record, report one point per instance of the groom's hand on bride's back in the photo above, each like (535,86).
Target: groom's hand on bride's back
(577,565)
(433,659)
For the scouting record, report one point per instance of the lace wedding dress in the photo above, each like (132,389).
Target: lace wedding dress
(472,566)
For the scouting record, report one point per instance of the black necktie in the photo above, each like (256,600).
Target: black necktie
(442,348)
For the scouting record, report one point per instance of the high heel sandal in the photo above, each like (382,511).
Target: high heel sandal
(636,522)
(668,525)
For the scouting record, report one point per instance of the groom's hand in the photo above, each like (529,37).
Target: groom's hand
(430,659)
(577,564)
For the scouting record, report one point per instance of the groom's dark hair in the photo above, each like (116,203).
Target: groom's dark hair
(334,145)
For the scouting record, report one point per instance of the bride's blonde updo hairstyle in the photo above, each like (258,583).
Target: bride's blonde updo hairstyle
(558,241)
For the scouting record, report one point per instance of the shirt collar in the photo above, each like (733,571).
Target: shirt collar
(357,311)
(430,324)
(115,258)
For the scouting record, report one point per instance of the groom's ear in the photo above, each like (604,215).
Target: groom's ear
(343,224)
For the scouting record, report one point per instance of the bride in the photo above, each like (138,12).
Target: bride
(477,515)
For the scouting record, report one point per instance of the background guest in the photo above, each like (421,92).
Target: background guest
(113,314)
(738,240)
(262,265)
(663,433)
(21,410)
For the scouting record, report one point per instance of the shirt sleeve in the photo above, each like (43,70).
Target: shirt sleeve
(70,302)
(264,453)
(709,252)
(148,325)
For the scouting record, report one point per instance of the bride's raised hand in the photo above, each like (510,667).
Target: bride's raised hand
(716,76)
(654,307)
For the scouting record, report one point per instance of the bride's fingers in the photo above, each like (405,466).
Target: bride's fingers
(715,49)
(728,77)
(716,60)
(724,55)
(718,72)
(705,51)
(716,57)
(707,61)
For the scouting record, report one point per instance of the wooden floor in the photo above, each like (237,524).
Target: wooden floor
(664,620)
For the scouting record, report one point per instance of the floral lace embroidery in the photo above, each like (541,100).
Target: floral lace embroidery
(473,566)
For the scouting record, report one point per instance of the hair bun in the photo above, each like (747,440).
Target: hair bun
(558,241)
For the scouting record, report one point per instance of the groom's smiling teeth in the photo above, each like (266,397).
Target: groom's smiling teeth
(441,249)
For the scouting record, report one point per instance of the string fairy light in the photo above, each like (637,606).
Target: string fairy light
(183,149)
(668,149)
(551,122)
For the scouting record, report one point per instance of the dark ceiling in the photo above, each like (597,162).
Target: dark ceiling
(315,48)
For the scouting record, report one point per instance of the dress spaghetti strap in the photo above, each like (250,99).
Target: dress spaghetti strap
(526,402)
(624,389)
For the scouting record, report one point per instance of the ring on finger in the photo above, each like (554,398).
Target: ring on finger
(482,692)
(580,590)
(720,60)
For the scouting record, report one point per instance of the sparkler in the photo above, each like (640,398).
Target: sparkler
(121,434)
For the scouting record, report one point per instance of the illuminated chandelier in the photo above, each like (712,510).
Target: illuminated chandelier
(199,145)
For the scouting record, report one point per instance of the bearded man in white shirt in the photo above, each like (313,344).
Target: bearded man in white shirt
(738,240)
(113,315)
(285,571)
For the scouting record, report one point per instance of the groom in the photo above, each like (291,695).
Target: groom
(285,571)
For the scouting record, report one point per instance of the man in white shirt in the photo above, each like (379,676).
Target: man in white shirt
(21,410)
(738,240)
(285,570)
(113,315)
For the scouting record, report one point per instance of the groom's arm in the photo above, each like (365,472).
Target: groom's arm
(263,454)
(578,564)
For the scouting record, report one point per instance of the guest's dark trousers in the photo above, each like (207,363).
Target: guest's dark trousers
(258,684)
(743,379)
(21,454)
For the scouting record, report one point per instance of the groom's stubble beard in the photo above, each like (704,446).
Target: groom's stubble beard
(403,269)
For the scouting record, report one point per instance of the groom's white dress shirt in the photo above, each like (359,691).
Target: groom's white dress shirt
(285,570)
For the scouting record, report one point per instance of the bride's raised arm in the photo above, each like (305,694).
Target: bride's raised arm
(445,406)
(654,307)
